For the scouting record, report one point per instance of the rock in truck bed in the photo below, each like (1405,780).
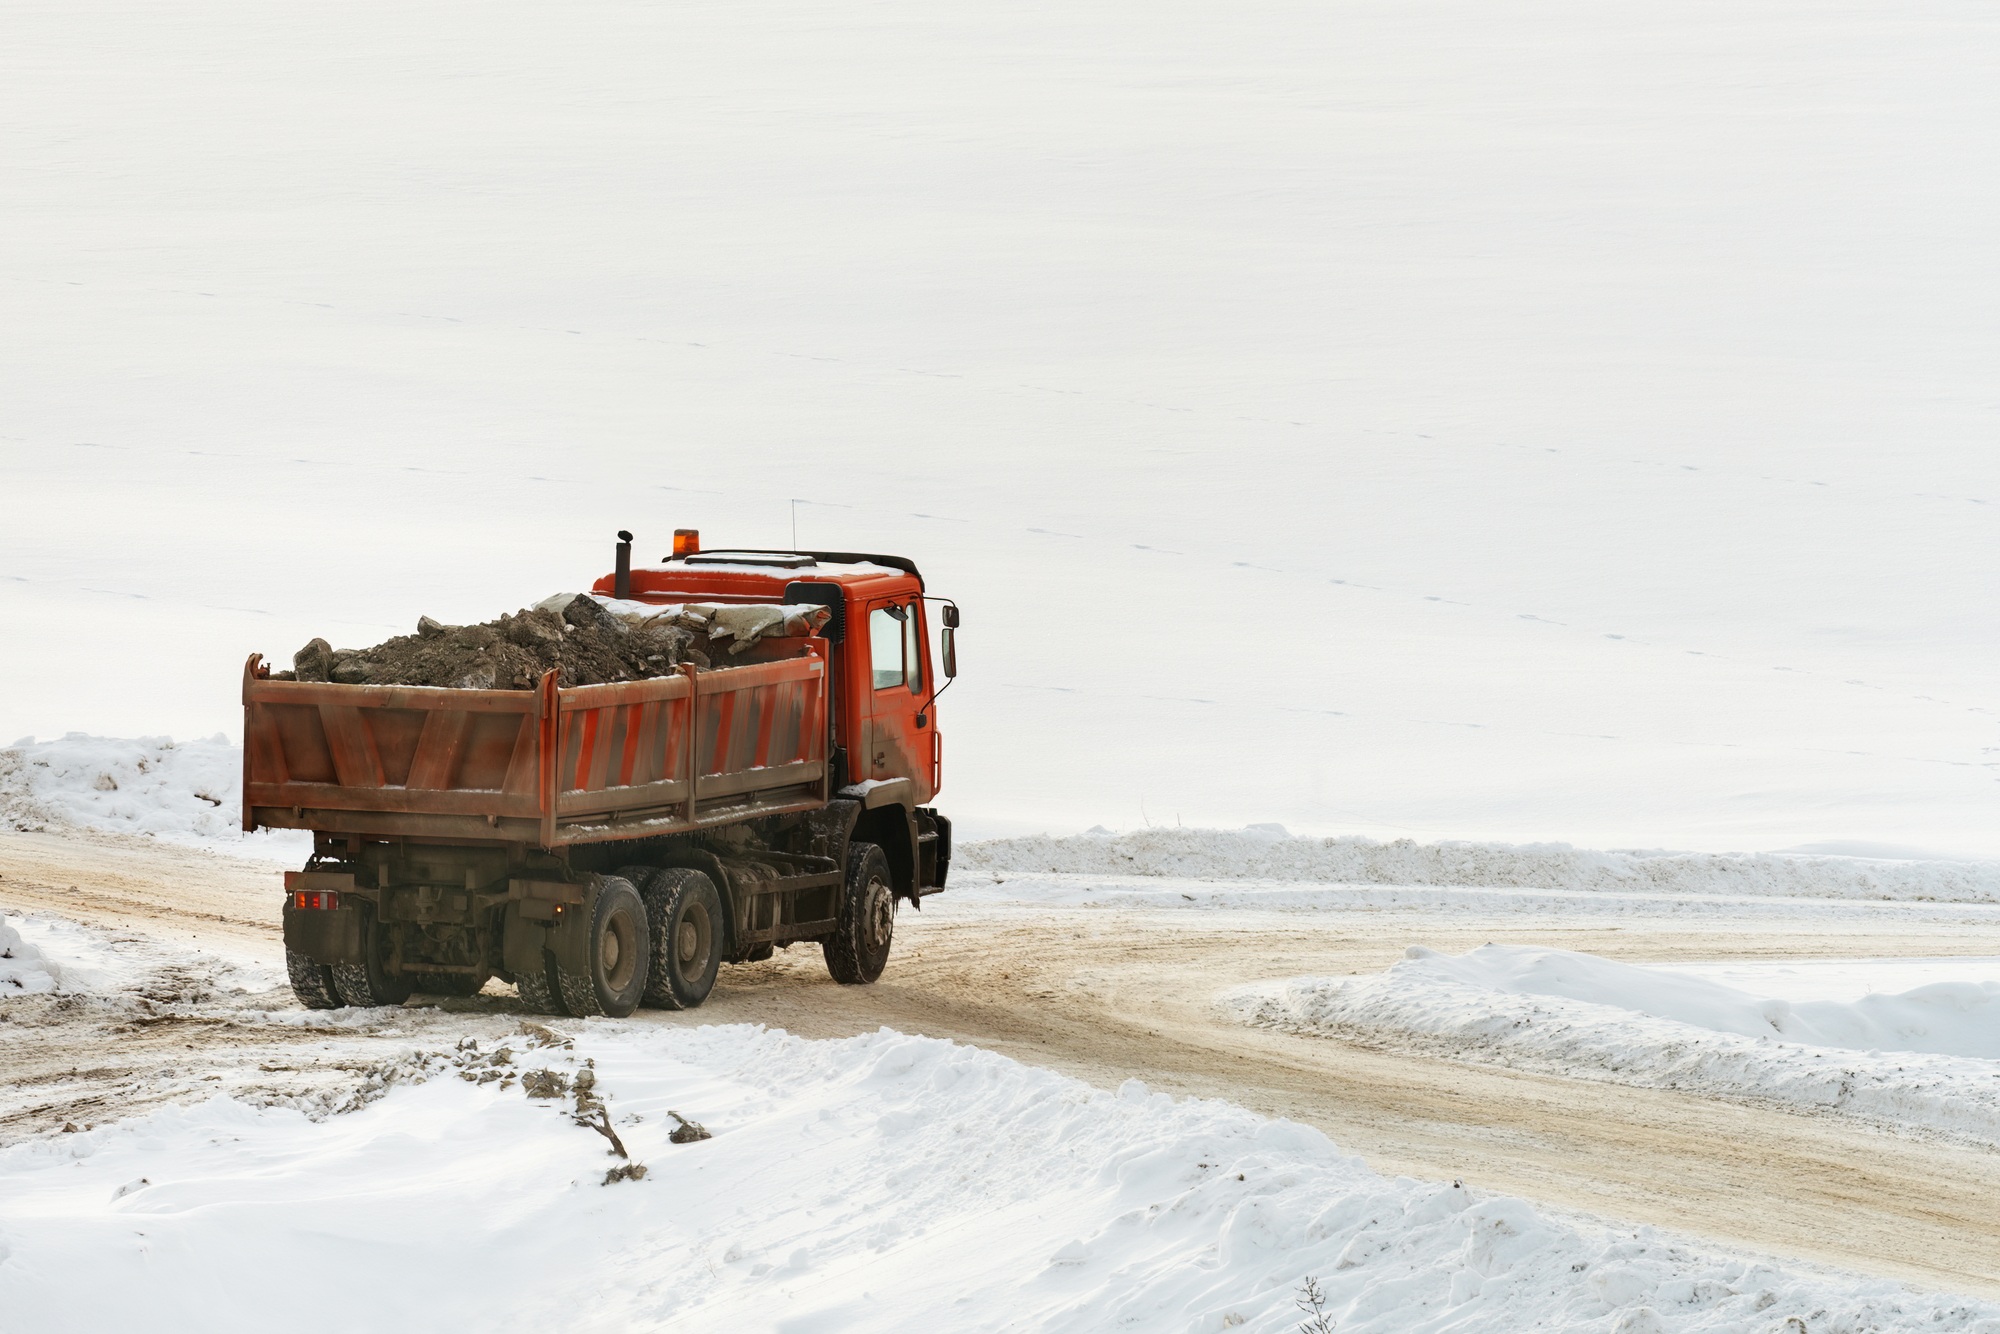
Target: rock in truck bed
(585,639)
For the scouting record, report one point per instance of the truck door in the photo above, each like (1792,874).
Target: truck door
(899,746)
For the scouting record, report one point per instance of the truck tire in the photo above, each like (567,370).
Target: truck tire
(369,982)
(539,990)
(858,949)
(614,973)
(312,982)
(684,912)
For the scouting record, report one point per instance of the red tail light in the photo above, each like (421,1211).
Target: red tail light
(315,899)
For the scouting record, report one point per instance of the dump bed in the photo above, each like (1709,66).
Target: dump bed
(545,767)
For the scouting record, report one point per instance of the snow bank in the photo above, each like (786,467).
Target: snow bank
(23,968)
(880,1183)
(1928,1057)
(186,792)
(1269,854)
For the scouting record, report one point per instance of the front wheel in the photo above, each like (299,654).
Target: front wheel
(614,973)
(858,949)
(685,914)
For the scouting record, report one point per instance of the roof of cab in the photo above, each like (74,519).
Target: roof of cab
(763,575)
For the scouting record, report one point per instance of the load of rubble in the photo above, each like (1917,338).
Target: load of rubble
(583,638)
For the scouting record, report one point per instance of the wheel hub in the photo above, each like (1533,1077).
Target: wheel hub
(878,919)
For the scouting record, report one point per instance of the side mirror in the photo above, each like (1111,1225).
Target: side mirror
(950,644)
(950,613)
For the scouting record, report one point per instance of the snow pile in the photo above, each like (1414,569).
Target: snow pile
(1928,1057)
(1269,854)
(882,1182)
(181,791)
(23,968)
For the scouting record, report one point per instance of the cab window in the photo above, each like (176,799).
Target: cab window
(913,649)
(896,648)
(885,645)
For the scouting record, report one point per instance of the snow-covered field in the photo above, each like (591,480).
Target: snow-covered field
(1429,418)
(1928,1057)
(876,1183)
(1442,426)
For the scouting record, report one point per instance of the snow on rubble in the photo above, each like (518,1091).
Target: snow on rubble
(186,792)
(24,969)
(1267,853)
(1928,1057)
(881,1182)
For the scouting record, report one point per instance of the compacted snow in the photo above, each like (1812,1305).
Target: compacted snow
(878,1183)
(1928,1057)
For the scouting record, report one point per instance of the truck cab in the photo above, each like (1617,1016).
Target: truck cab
(887,751)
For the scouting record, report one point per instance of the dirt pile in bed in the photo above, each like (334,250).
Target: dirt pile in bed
(583,643)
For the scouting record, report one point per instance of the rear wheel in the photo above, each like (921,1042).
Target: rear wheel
(614,973)
(684,912)
(312,982)
(539,990)
(858,949)
(370,982)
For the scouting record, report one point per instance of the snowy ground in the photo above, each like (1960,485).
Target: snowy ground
(1441,418)
(882,1182)
(949,1188)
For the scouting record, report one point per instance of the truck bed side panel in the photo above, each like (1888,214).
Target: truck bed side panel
(546,766)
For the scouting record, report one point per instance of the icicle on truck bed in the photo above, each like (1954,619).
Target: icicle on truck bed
(584,638)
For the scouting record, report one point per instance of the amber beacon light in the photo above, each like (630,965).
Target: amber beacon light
(687,541)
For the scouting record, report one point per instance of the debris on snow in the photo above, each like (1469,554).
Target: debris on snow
(687,1132)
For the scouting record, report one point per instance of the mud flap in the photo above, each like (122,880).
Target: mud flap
(324,935)
(569,936)
(522,940)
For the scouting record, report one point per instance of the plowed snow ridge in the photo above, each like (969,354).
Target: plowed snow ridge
(1923,1058)
(187,792)
(1213,854)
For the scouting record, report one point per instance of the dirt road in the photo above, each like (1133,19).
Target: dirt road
(1109,995)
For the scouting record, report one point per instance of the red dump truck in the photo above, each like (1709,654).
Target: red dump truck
(600,847)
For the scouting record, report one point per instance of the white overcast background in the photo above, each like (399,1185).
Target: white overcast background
(1552,421)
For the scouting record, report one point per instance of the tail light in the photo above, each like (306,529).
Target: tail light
(687,542)
(308,900)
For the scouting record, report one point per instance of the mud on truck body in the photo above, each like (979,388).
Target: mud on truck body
(599,847)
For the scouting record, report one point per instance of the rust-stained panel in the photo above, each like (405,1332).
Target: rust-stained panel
(581,764)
